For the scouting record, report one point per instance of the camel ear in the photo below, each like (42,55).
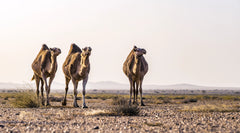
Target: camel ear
(84,49)
(51,49)
(144,51)
(89,48)
(134,48)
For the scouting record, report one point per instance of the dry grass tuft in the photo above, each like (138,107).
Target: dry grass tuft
(97,112)
(119,101)
(26,99)
(211,108)
(153,124)
(122,108)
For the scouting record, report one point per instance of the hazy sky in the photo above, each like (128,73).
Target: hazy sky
(187,41)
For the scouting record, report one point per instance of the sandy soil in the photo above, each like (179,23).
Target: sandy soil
(152,118)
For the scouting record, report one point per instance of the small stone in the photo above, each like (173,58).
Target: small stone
(17,113)
(97,127)
(2,126)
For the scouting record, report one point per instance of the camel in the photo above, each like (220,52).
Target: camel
(44,66)
(76,67)
(135,67)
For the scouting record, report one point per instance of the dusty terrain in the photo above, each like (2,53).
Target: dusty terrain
(161,114)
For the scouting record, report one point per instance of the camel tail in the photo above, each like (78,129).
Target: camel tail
(33,78)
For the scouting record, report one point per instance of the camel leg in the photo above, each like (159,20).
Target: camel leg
(50,83)
(131,86)
(134,88)
(83,91)
(136,91)
(42,96)
(75,84)
(46,88)
(142,104)
(37,80)
(64,102)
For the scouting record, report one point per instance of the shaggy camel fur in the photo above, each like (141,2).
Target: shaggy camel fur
(76,67)
(135,67)
(44,66)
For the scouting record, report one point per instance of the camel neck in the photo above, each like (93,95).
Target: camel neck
(54,63)
(136,66)
(84,64)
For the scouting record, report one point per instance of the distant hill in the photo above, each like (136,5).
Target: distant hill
(109,85)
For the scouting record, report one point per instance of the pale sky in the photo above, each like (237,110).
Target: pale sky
(187,41)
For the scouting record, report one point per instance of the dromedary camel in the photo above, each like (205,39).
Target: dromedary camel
(44,66)
(76,67)
(135,67)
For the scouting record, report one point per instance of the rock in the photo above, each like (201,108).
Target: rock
(2,126)
(17,113)
(97,127)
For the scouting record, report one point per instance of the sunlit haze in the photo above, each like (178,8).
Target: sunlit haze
(196,42)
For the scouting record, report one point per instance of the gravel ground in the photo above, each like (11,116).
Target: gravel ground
(152,118)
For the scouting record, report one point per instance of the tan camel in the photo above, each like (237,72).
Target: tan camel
(44,66)
(135,67)
(76,67)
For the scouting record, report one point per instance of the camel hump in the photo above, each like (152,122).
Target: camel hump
(74,49)
(44,47)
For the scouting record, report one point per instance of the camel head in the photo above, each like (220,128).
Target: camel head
(86,52)
(138,52)
(55,51)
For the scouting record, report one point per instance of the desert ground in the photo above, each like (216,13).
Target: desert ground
(162,113)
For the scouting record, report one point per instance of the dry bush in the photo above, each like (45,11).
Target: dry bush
(6,98)
(189,100)
(55,99)
(122,108)
(26,99)
(119,101)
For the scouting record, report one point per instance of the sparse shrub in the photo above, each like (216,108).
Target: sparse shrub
(123,108)
(206,97)
(4,102)
(237,92)
(161,98)
(190,100)
(236,99)
(204,91)
(166,101)
(26,99)
(88,97)
(119,101)
(6,98)
(55,99)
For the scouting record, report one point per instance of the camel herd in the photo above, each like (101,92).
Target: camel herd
(76,67)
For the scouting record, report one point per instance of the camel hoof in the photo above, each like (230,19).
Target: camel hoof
(84,107)
(48,104)
(64,103)
(142,104)
(129,103)
(75,105)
